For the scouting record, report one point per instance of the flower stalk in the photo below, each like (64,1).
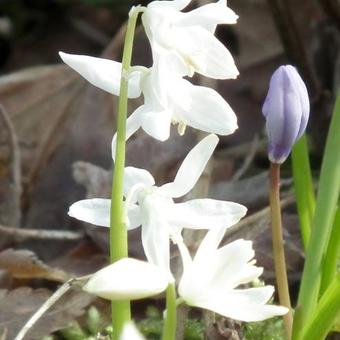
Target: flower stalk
(169,329)
(118,232)
(278,246)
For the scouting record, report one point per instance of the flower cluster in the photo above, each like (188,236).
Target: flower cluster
(183,43)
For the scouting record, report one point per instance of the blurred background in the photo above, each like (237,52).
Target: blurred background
(56,129)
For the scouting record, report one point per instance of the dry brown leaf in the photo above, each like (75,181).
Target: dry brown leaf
(82,260)
(24,264)
(59,119)
(18,305)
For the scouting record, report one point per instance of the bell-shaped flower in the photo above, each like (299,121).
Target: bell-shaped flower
(118,281)
(212,278)
(168,97)
(154,208)
(191,36)
(286,110)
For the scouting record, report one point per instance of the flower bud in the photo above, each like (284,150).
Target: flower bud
(286,110)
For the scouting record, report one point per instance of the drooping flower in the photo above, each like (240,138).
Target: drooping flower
(118,281)
(191,36)
(168,97)
(154,208)
(210,280)
(286,110)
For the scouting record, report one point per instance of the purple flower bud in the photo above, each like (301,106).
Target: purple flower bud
(286,110)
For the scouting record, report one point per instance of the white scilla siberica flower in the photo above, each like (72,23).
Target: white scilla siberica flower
(191,36)
(210,280)
(153,207)
(168,97)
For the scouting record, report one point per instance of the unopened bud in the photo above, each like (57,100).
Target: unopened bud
(286,110)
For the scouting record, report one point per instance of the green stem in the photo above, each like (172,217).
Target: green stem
(303,185)
(118,232)
(330,263)
(326,314)
(169,330)
(326,205)
(278,248)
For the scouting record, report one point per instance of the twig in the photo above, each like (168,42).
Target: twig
(241,150)
(251,222)
(3,335)
(15,169)
(80,281)
(247,161)
(38,234)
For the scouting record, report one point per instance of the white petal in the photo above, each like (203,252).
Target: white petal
(209,16)
(176,4)
(136,176)
(206,110)
(133,123)
(102,73)
(155,233)
(127,279)
(231,266)
(134,216)
(95,211)
(205,214)
(191,168)
(205,52)
(157,124)
(244,305)
(130,332)
(209,245)
(213,270)
(185,255)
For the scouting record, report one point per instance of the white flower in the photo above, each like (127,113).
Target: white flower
(168,97)
(153,207)
(130,332)
(191,36)
(209,281)
(211,278)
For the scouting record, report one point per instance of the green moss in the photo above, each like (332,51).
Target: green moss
(152,326)
(272,329)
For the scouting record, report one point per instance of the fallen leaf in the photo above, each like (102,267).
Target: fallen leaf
(18,305)
(24,264)
(81,260)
